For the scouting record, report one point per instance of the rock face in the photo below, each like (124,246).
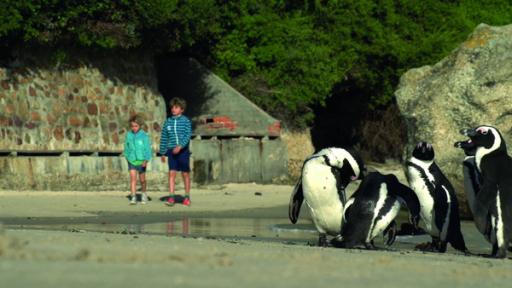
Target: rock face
(470,87)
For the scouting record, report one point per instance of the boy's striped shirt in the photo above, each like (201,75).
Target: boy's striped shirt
(176,131)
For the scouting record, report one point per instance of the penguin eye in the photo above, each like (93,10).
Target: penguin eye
(482,131)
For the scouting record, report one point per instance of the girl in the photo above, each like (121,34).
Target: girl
(137,150)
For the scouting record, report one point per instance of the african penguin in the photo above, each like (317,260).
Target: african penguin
(494,197)
(472,184)
(372,210)
(439,205)
(322,183)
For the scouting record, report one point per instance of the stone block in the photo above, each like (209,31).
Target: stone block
(74,121)
(61,92)
(35,116)
(9,109)
(92,109)
(32,91)
(5,85)
(112,126)
(30,125)
(50,118)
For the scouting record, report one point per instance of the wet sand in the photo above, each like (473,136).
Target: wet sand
(85,239)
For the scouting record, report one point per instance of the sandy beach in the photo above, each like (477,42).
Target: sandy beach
(236,234)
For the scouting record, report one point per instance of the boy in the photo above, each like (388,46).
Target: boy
(176,132)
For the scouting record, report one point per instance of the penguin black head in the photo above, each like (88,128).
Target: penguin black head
(486,137)
(352,170)
(423,151)
(362,168)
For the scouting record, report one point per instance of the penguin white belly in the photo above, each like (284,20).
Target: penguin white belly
(321,196)
(380,225)
(492,236)
(500,238)
(419,187)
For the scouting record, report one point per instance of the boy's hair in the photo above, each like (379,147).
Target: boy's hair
(180,102)
(137,119)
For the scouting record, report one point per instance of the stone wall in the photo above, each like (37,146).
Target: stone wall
(63,123)
(80,106)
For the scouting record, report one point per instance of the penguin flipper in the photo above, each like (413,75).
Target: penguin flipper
(484,200)
(296,200)
(471,181)
(408,196)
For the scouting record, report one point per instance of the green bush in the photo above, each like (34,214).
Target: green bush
(286,56)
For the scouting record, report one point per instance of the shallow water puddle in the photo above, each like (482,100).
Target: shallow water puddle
(263,229)
(275,230)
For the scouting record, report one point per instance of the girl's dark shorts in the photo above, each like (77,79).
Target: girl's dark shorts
(139,168)
(179,162)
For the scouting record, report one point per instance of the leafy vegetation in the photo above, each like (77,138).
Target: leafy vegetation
(287,56)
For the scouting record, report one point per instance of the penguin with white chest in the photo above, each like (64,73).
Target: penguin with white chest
(472,185)
(325,175)
(372,210)
(439,205)
(494,197)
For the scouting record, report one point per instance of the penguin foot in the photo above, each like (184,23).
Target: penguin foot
(370,246)
(426,247)
(322,240)
(487,255)
(502,254)
(337,242)
(391,231)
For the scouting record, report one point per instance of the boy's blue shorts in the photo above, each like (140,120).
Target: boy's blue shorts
(139,168)
(179,162)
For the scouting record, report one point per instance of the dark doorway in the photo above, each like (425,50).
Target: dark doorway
(347,121)
(184,78)
(336,123)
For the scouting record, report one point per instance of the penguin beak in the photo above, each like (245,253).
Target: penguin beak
(462,144)
(468,132)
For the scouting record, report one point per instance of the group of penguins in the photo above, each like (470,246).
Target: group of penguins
(429,197)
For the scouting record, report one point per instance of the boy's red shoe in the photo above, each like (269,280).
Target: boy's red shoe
(186,202)
(170,201)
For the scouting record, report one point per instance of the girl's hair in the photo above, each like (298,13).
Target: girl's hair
(137,119)
(180,102)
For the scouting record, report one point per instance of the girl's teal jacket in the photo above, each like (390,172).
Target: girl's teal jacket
(137,146)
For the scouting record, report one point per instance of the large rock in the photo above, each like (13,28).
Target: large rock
(472,86)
